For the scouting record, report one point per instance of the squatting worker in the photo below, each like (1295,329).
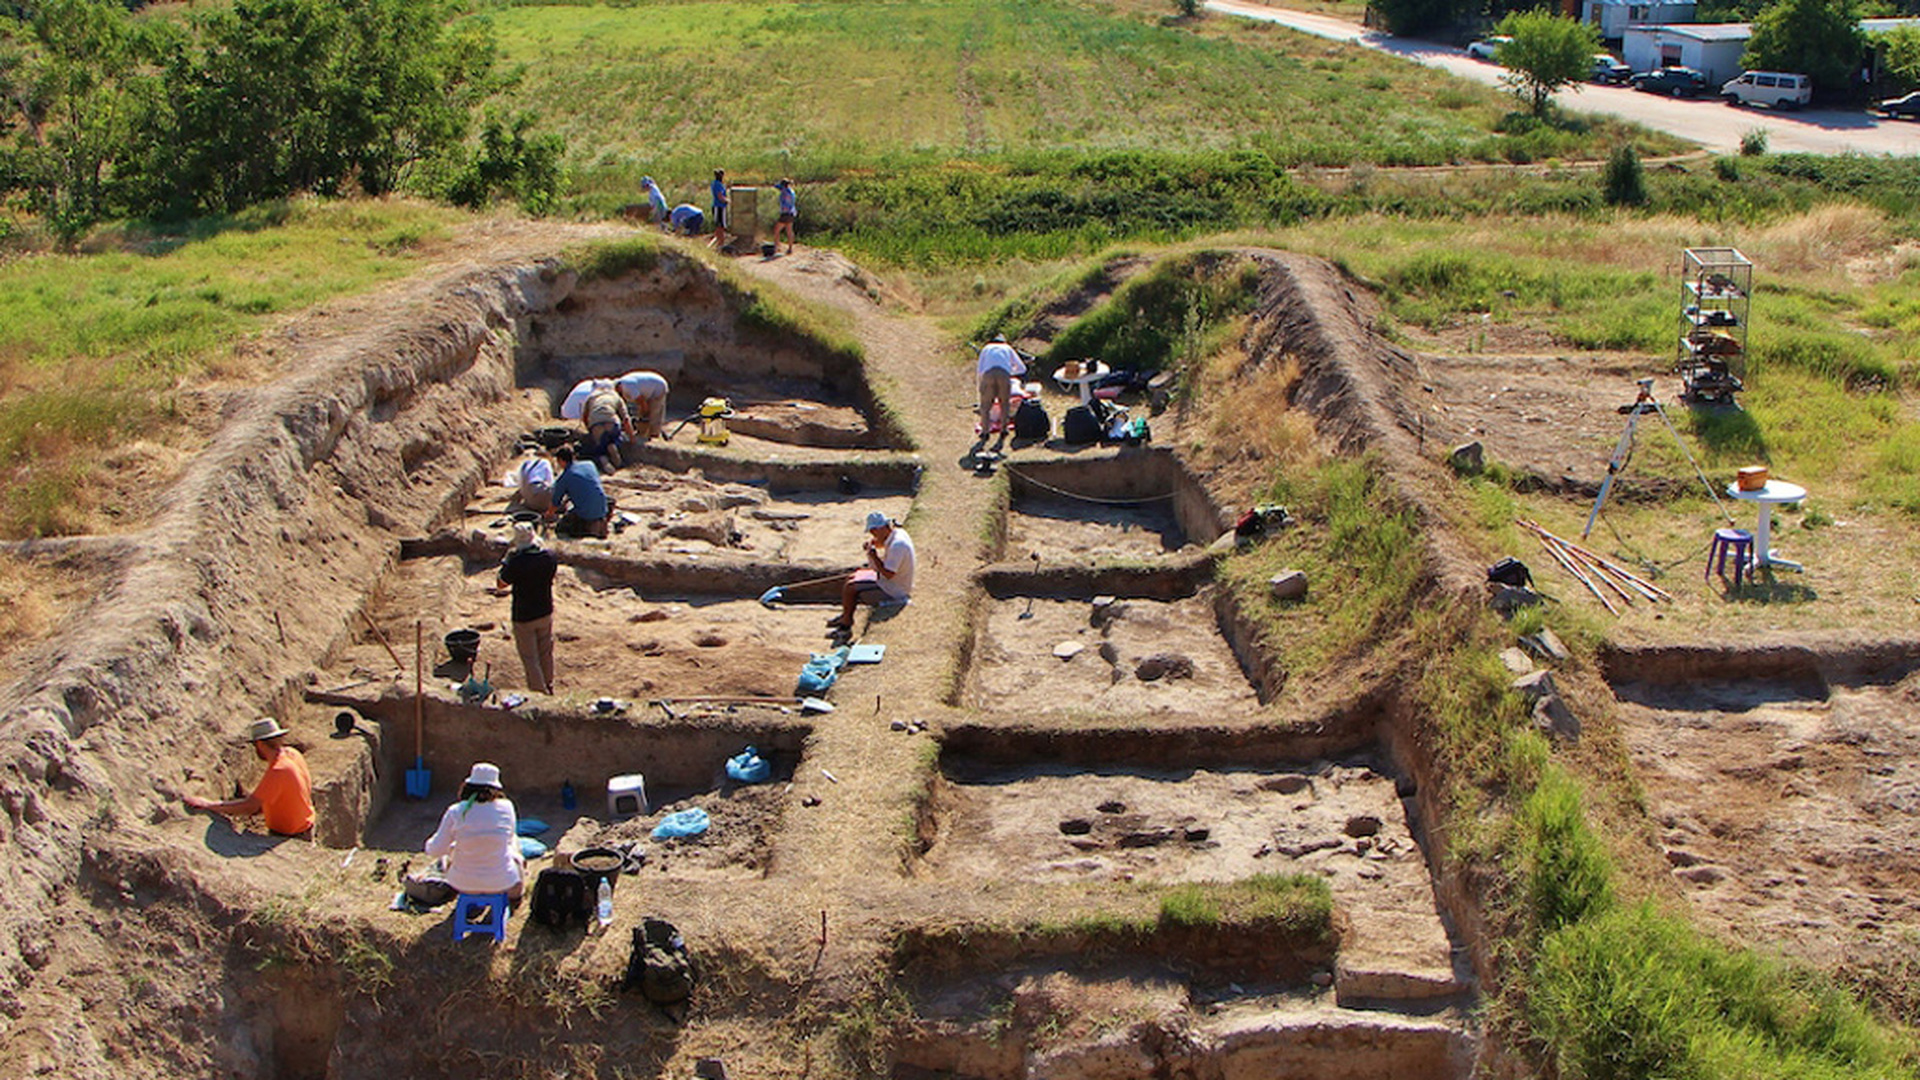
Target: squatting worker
(655,200)
(888,575)
(687,220)
(479,840)
(722,202)
(578,498)
(607,421)
(527,574)
(284,795)
(999,363)
(789,210)
(531,479)
(645,393)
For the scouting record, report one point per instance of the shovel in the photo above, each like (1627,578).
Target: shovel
(778,593)
(808,705)
(419,780)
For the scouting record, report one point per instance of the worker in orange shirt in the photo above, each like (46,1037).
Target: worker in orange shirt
(284,796)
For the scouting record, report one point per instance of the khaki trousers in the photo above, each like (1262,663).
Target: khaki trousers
(534,640)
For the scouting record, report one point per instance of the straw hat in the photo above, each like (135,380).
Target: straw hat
(484,774)
(264,728)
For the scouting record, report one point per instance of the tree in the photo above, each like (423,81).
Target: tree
(1547,52)
(1818,38)
(1900,56)
(1414,16)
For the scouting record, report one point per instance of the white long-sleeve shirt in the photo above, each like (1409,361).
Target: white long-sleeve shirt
(482,845)
(999,354)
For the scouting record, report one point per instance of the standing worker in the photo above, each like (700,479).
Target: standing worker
(527,574)
(888,575)
(722,202)
(655,200)
(645,393)
(284,795)
(789,209)
(999,363)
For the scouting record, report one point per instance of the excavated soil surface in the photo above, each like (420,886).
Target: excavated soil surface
(1344,822)
(1130,658)
(1790,815)
(1071,530)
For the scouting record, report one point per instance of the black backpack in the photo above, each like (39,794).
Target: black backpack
(559,898)
(1030,420)
(660,967)
(1080,426)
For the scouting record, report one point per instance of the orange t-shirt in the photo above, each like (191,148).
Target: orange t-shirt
(286,794)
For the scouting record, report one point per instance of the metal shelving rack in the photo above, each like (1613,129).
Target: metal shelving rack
(1716,290)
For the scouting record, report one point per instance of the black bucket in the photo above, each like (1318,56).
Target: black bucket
(555,436)
(463,646)
(597,864)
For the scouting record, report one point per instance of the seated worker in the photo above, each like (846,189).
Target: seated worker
(645,393)
(531,479)
(607,422)
(888,576)
(284,795)
(479,841)
(687,220)
(578,498)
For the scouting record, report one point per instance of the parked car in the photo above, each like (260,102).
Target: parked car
(1672,81)
(1775,88)
(1906,105)
(1487,46)
(1608,70)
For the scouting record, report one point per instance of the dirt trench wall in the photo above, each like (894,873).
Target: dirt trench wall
(1133,473)
(271,540)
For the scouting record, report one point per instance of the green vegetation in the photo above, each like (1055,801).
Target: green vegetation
(1548,53)
(1818,38)
(1625,181)
(1356,544)
(1298,905)
(93,347)
(1163,316)
(107,115)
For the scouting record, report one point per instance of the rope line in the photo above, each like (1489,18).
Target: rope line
(1089,498)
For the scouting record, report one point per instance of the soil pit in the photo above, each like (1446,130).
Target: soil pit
(661,512)
(1128,505)
(1790,813)
(1342,821)
(1117,658)
(609,640)
(1070,530)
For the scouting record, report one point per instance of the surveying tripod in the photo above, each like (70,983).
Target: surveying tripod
(1644,403)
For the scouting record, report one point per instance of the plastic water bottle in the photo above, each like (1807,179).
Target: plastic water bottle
(605,906)
(568,800)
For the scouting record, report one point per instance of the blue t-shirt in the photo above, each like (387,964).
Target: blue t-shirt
(788,203)
(686,216)
(719,189)
(658,200)
(578,488)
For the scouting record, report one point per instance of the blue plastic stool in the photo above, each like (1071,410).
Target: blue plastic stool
(495,923)
(1737,543)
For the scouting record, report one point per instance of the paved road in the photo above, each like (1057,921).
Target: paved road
(1709,122)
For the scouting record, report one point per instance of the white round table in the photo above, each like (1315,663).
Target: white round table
(1091,371)
(1775,493)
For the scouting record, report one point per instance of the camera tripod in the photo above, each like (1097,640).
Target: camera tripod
(1644,403)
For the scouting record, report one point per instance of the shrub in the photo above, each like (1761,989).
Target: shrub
(1625,181)
(1753,142)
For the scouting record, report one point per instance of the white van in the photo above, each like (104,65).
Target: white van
(1780,90)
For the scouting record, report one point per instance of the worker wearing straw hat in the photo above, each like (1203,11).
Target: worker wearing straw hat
(284,795)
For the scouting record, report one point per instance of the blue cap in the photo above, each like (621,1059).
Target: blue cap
(877,520)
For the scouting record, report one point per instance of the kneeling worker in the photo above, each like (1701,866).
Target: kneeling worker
(578,498)
(888,576)
(284,795)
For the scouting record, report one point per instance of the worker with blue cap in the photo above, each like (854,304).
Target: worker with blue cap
(886,579)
